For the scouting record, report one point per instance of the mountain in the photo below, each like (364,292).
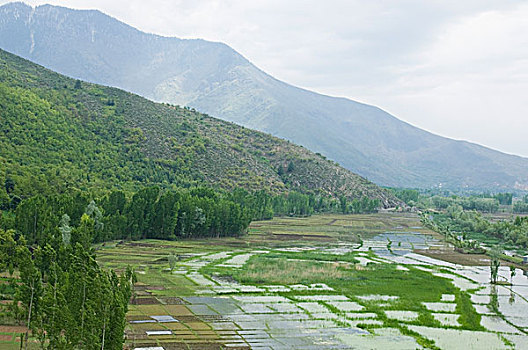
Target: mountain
(215,79)
(59,133)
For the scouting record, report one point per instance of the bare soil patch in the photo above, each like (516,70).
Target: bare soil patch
(145,301)
(12,329)
(213,318)
(5,337)
(188,319)
(293,237)
(172,301)
(452,256)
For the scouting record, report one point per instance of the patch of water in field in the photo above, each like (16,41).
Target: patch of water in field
(382,338)
(445,307)
(514,309)
(448,297)
(261,299)
(277,288)
(326,316)
(378,297)
(346,305)
(313,307)
(402,315)
(296,249)
(285,308)
(480,299)
(483,310)
(224,290)
(447,319)
(365,261)
(493,290)
(158,332)
(461,339)
(256,309)
(497,324)
(519,341)
(216,256)
(200,279)
(321,297)
(459,282)
(237,261)
(164,318)
(341,249)
(250,289)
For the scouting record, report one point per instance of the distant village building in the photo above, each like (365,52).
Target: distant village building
(525,259)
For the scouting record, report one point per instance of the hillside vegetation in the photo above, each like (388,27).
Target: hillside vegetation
(215,79)
(59,133)
(82,163)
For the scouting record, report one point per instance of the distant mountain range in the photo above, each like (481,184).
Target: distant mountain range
(215,79)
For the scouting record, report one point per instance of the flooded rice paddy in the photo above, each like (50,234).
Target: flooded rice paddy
(206,302)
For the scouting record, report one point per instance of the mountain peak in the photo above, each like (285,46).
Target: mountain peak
(16,5)
(15,10)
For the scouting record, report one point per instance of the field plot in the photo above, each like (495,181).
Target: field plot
(324,282)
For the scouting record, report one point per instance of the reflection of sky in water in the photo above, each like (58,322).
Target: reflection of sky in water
(402,243)
(514,309)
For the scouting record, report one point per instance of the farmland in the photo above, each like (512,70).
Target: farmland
(328,281)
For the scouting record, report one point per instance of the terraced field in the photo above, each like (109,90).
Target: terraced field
(325,282)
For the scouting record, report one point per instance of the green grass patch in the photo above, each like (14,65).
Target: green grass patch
(412,287)
(469,318)
(263,269)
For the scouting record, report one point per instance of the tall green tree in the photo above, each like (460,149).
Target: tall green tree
(165,216)
(29,293)
(7,250)
(495,255)
(140,212)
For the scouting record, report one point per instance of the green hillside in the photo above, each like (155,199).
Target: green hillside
(59,133)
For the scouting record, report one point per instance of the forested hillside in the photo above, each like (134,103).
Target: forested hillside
(59,134)
(215,79)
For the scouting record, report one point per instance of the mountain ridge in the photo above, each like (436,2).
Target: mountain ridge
(61,133)
(215,79)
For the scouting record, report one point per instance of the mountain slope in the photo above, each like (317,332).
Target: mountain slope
(215,79)
(59,133)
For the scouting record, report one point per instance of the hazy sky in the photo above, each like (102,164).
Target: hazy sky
(456,68)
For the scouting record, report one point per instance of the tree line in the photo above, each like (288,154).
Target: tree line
(521,206)
(65,299)
(148,213)
(166,213)
(511,232)
(262,205)
(483,202)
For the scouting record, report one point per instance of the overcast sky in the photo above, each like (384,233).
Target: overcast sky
(456,68)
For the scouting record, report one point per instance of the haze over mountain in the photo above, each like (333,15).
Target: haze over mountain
(215,79)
